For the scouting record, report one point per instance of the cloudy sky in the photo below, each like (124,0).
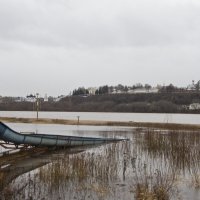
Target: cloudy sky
(54,46)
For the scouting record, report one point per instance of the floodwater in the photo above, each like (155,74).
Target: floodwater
(135,117)
(152,164)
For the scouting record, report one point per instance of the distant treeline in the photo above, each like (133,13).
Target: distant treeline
(165,102)
(130,89)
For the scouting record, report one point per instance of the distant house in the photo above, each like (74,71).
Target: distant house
(45,98)
(194,106)
(92,90)
(115,91)
(30,98)
(143,90)
(57,99)
(137,90)
(154,90)
(19,99)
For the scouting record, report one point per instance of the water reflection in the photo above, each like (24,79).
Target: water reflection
(153,164)
(15,166)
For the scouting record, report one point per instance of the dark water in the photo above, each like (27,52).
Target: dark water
(164,162)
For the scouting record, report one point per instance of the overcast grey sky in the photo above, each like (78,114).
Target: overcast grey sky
(55,46)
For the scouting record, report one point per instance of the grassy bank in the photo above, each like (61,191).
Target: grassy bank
(169,126)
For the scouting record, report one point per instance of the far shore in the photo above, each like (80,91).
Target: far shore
(169,126)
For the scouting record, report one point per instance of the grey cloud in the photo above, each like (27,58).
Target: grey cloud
(94,23)
(53,46)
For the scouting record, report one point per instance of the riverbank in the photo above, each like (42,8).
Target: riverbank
(169,126)
(161,102)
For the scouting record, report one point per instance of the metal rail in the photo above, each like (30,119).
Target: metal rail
(48,140)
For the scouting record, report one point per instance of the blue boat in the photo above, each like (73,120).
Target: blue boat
(47,140)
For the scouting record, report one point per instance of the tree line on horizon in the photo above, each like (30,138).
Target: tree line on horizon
(124,89)
(105,89)
(168,99)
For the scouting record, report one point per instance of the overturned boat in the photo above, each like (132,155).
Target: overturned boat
(47,140)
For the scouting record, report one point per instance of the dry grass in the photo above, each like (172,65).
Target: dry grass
(196,181)
(178,147)
(150,164)
(144,193)
(153,185)
(195,174)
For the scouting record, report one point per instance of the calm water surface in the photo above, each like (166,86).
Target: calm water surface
(136,117)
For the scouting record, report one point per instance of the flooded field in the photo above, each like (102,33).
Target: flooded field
(152,164)
(106,116)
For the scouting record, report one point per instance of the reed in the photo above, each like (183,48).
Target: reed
(195,175)
(151,184)
(178,148)
(150,166)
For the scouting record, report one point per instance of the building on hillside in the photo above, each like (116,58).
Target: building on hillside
(57,99)
(116,91)
(92,90)
(137,90)
(19,99)
(30,98)
(194,106)
(154,90)
(45,98)
(143,90)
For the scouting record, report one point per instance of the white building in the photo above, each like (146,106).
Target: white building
(92,90)
(30,98)
(143,90)
(45,98)
(194,106)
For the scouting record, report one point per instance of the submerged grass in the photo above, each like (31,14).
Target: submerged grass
(89,172)
(150,165)
(154,185)
(176,151)
(181,149)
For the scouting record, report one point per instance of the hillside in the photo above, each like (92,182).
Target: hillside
(148,102)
